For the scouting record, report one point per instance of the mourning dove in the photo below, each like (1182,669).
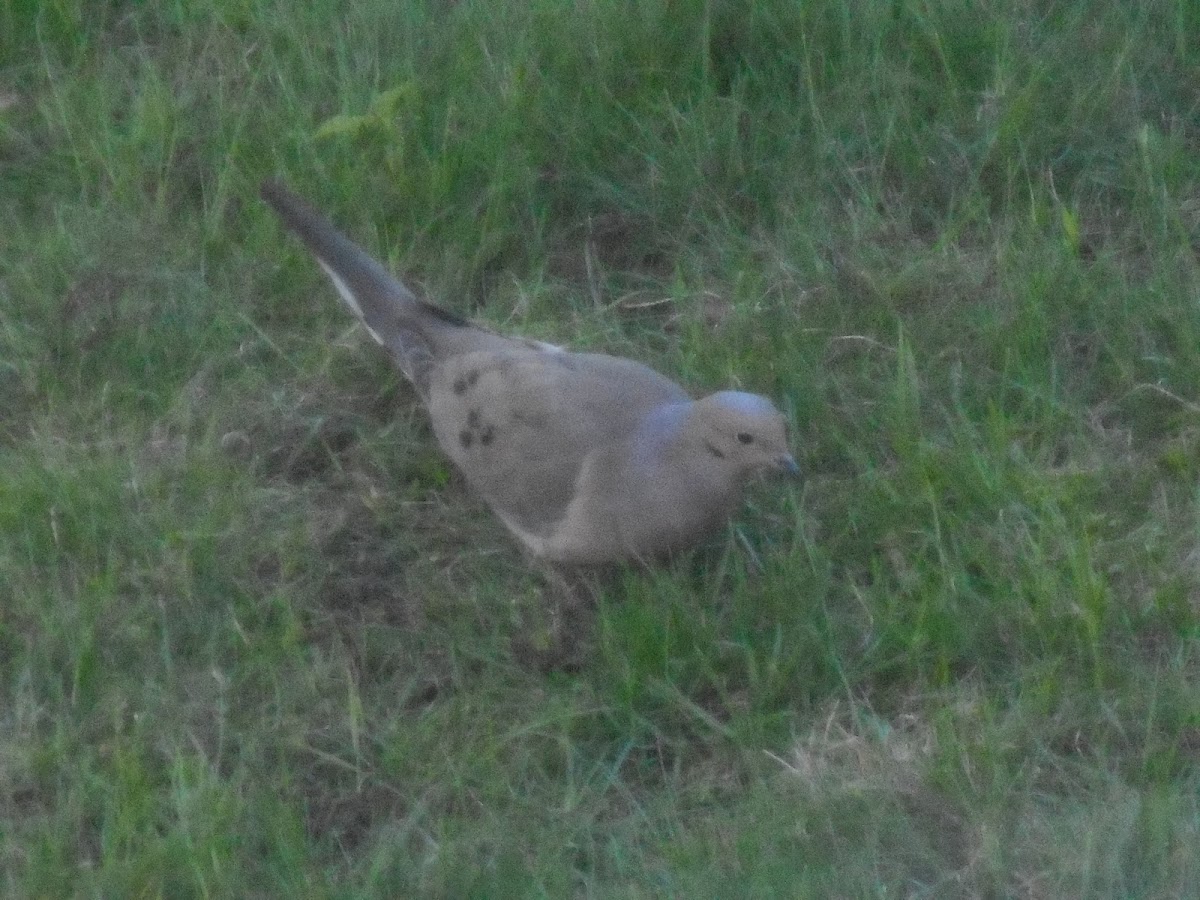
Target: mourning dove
(586,458)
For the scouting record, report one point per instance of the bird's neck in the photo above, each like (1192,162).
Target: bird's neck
(669,440)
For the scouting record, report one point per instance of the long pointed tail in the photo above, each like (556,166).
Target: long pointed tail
(392,314)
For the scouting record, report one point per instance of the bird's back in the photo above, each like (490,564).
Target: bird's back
(520,424)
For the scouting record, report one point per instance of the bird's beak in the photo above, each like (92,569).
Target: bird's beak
(787,464)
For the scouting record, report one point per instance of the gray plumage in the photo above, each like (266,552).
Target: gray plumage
(587,458)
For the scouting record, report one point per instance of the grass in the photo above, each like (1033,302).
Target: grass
(257,639)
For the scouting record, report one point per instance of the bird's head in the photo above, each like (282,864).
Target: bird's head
(746,431)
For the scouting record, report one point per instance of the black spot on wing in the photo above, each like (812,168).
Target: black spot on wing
(444,315)
(715,451)
(477,429)
(464,383)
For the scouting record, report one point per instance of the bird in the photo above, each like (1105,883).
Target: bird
(588,459)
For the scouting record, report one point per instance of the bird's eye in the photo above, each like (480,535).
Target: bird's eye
(745,437)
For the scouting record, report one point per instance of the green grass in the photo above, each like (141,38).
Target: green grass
(257,638)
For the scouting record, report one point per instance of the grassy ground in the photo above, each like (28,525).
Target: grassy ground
(256,639)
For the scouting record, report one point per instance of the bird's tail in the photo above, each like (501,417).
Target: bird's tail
(392,314)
